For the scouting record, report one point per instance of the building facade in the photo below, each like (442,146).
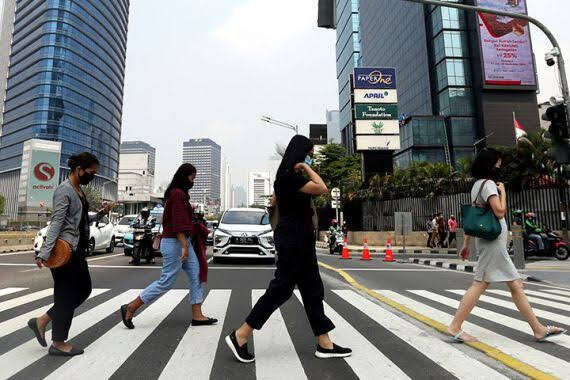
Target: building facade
(226,185)
(443,104)
(259,188)
(206,156)
(128,147)
(333,127)
(239,196)
(65,82)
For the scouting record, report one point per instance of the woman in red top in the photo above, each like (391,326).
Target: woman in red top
(177,251)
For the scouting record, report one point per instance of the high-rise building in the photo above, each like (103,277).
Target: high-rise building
(129,147)
(7,9)
(333,127)
(65,82)
(226,185)
(443,98)
(259,188)
(206,156)
(239,196)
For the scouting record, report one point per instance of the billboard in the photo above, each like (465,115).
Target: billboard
(376,111)
(376,143)
(377,127)
(506,48)
(375,78)
(40,173)
(375,96)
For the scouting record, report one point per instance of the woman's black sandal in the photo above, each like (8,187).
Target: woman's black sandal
(127,322)
(33,325)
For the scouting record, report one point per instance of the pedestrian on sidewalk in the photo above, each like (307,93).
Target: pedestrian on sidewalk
(178,253)
(441,233)
(296,255)
(429,229)
(452,226)
(494,264)
(70,222)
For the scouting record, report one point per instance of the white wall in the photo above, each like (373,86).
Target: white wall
(263,189)
(134,177)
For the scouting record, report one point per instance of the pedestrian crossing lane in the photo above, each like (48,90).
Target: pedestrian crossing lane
(13,302)
(6,291)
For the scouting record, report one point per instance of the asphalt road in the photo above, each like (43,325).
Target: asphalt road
(376,306)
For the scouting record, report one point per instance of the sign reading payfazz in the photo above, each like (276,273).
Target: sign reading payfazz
(375,78)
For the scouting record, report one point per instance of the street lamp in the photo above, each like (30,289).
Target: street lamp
(269,120)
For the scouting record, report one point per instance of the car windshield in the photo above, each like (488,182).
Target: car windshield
(245,217)
(126,221)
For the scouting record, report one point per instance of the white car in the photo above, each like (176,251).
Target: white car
(101,236)
(244,233)
(123,227)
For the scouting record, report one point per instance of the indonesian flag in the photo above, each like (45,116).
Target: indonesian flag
(519,130)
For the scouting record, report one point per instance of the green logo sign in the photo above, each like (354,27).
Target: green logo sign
(376,112)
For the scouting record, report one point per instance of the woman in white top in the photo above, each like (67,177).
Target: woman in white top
(494,264)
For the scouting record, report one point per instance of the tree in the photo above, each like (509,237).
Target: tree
(94,198)
(2,204)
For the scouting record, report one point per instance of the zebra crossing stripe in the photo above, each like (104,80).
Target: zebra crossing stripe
(16,323)
(545,366)
(546,295)
(538,301)
(109,352)
(6,291)
(366,361)
(448,357)
(513,323)
(509,305)
(190,362)
(11,303)
(22,356)
(557,291)
(274,348)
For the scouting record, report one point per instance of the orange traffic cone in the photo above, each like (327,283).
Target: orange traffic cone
(389,254)
(365,251)
(345,252)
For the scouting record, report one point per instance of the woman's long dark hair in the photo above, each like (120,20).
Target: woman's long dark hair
(180,179)
(484,163)
(296,151)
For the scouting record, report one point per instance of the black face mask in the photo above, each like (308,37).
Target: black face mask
(190,185)
(86,178)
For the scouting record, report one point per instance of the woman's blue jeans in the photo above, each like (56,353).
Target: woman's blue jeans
(171,266)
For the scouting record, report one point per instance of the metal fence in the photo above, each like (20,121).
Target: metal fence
(379,215)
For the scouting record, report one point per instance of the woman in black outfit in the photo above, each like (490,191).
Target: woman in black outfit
(297,259)
(72,283)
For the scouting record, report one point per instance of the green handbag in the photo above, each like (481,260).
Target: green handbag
(479,220)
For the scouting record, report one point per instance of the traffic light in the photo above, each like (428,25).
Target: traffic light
(558,132)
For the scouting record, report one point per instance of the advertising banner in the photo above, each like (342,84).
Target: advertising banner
(375,78)
(380,142)
(376,111)
(377,127)
(43,178)
(506,46)
(375,96)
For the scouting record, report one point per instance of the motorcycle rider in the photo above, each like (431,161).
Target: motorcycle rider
(334,229)
(533,230)
(141,222)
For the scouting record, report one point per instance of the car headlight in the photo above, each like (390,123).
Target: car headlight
(267,240)
(221,238)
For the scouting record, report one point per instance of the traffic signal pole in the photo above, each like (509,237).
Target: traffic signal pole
(541,26)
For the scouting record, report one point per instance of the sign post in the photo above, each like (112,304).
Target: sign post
(403,225)
(335,194)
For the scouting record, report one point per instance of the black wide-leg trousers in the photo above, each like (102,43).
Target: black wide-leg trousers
(71,287)
(296,265)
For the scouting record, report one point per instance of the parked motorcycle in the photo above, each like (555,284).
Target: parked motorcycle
(554,246)
(336,241)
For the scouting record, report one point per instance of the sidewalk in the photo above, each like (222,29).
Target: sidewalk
(381,250)
(16,248)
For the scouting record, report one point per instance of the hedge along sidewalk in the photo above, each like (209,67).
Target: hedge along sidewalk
(395,249)
(459,265)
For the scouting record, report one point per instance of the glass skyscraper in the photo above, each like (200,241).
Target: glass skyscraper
(65,81)
(347,58)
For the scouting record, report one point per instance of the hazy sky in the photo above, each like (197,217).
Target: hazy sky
(204,68)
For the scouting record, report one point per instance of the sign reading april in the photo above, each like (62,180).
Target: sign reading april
(376,111)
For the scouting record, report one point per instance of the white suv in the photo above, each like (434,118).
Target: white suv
(244,233)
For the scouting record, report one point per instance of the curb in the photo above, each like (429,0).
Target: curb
(462,267)
(321,245)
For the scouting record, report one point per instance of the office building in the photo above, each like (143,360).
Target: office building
(7,11)
(226,185)
(345,14)
(141,147)
(445,102)
(206,156)
(318,134)
(239,196)
(333,127)
(136,176)
(259,188)
(65,82)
